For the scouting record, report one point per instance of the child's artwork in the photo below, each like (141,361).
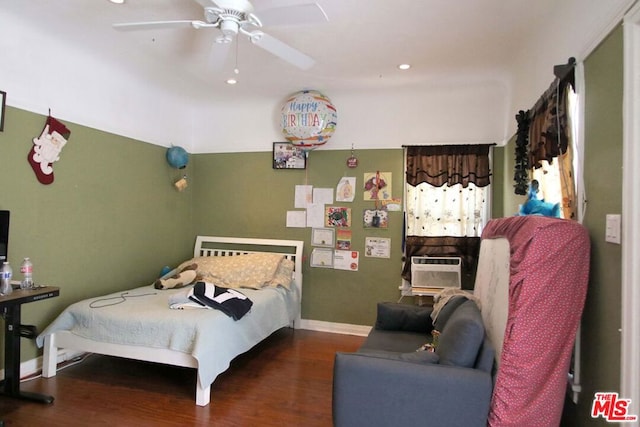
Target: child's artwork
(345,191)
(343,239)
(377,185)
(376,218)
(335,216)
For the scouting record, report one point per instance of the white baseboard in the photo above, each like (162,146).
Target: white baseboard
(336,328)
(34,366)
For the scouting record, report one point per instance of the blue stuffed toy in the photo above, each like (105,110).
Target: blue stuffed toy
(535,206)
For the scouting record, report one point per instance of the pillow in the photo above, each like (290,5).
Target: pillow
(446,311)
(284,274)
(462,337)
(426,357)
(254,270)
(403,317)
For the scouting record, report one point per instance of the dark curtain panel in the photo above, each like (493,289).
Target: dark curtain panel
(548,129)
(521,174)
(468,248)
(448,164)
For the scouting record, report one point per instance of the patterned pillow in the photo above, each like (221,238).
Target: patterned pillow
(255,270)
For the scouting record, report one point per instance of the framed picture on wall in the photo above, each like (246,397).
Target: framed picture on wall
(288,156)
(3,98)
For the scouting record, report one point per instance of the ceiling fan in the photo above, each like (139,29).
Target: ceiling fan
(236,16)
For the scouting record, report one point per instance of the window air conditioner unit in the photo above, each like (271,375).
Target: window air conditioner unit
(431,275)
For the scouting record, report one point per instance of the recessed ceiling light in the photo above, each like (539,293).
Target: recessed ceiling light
(231,81)
(404,66)
(117,1)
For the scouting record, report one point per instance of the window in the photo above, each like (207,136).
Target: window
(556,178)
(446,190)
(446,205)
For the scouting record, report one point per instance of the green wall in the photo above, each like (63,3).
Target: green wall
(603,182)
(242,195)
(110,220)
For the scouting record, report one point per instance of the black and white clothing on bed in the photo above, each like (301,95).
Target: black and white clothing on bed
(233,303)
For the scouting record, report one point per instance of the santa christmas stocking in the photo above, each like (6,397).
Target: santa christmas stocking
(46,149)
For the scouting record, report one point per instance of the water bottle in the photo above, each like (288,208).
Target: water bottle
(26,268)
(5,279)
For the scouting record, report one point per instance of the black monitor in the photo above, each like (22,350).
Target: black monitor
(4,235)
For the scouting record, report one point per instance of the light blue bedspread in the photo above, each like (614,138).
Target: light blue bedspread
(142,317)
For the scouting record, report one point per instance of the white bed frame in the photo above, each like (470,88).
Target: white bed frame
(204,246)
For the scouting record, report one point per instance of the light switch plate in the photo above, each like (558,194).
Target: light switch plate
(612,234)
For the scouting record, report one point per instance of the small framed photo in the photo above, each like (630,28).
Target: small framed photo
(323,237)
(3,101)
(288,156)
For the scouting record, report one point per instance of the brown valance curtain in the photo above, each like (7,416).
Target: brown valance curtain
(468,248)
(448,164)
(548,128)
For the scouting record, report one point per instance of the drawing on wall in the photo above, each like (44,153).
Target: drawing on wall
(336,216)
(346,189)
(375,218)
(377,185)
(343,239)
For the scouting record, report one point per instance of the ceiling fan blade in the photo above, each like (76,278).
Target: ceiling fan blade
(152,25)
(284,51)
(308,13)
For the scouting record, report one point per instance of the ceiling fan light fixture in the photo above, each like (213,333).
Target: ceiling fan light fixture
(229,28)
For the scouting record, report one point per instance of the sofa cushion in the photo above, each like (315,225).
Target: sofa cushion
(403,317)
(462,336)
(412,356)
(395,341)
(446,311)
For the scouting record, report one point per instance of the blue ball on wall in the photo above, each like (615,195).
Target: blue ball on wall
(177,157)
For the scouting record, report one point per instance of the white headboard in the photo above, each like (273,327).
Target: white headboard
(230,246)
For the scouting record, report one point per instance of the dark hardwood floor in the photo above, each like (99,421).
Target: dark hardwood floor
(284,381)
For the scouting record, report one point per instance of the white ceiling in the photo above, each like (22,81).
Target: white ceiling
(460,51)
(358,48)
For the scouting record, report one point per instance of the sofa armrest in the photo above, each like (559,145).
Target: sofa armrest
(374,391)
(403,317)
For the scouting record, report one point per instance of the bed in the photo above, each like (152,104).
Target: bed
(204,339)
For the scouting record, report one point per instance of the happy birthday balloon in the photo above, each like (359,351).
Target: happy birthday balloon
(308,119)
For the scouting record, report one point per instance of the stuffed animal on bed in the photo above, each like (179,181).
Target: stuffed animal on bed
(184,277)
(535,206)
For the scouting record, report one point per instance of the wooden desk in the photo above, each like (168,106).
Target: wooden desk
(10,309)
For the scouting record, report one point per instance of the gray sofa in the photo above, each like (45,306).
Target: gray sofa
(388,383)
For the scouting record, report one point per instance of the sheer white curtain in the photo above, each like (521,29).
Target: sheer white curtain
(445,211)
